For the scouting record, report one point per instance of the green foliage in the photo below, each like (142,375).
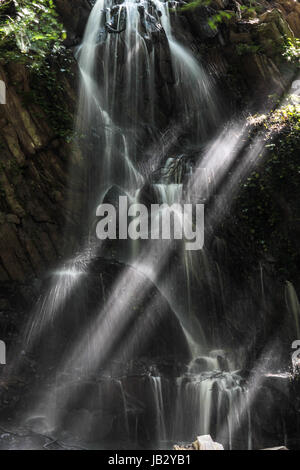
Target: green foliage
(219,18)
(266,211)
(48,91)
(247,9)
(32,34)
(292,51)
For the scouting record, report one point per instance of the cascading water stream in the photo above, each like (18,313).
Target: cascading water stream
(119,61)
(131,66)
(156,385)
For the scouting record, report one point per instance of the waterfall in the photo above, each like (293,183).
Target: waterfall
(125,408)
(197,104)
(124,49)
(156,386)
(211,403)
(132,66)
(293,305)
(114,144)
(132,69)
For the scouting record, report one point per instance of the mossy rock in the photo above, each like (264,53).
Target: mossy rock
(275,17)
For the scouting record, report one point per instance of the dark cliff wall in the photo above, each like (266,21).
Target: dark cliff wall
(244,52)
(33,180)
(37,152)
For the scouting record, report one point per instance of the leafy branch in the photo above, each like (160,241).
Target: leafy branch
(33,33)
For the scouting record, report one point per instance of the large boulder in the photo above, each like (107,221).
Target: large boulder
(74,14)
(276,18)
(110,308)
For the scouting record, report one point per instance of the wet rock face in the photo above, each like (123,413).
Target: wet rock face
(245,47)
(33,181)
(275,413)
(198,20)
